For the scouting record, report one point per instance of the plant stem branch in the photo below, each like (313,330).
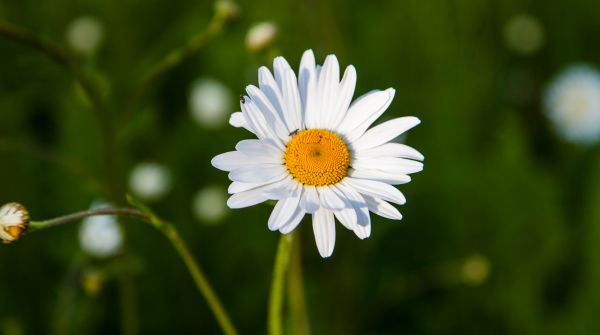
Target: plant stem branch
(277,286)
(299,315)
(38,225)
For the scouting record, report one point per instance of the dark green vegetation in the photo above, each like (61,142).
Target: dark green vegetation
(497,182)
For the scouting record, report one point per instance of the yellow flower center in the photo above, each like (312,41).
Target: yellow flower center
(317,157)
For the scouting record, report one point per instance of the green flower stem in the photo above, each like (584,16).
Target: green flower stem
(277,286)
(174,58)
(56,53)
(299,316)
(39,225)
(171,233)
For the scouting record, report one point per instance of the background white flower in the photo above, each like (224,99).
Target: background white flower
(150,181)
(315,153)
(260,36)
(208,204)
(572,103)
(84,34)
(100,236)
(210,102)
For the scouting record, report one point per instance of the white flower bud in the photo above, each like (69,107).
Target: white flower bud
(85,34)
(14,220)
(260,36)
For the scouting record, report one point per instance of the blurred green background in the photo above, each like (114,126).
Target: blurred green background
(501,232)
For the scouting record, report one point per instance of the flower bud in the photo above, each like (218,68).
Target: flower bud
(227,9)
(260,36)
(14,220)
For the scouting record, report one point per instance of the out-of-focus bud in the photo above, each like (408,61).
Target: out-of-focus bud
(209,204)
(476,270)
(100,236)
(260,36)
(92,282)
(210,102)
(14,220)
(227,9)
(150,181)
(85,34)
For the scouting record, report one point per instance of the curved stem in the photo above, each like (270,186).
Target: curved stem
(174,58)
(200,279)
(171,233)
(56,53)
(38,225)
(277,286)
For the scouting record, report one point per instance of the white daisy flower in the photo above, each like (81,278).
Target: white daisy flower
(314,153)
(14,220)
(573,104)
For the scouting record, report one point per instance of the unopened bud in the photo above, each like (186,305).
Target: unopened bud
(260,36)
(14,220)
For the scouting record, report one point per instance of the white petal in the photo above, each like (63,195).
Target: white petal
(246,199)
(280,68)
(258,173)
(272,191)
(307,82)
(376,189)
(237,120)
(363,231)
(257,121)
(329,199)
(310,199)
(324,230)
(284,210)
(270,113)
(356,201)
(269,87)
(291,97)
(390,165)
(385,132)
(382,208)
(364,111)
(232,160)
(237,187)
(388,178)
(345,93)
(293,221)
(258,148)
(347,218)
(327,91)
(391,150)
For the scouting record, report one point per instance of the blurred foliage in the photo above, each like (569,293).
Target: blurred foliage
(497,182)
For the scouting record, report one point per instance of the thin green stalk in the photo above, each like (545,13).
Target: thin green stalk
(277,286)
(171,233)
(200,279)
(299,316)
(174,58)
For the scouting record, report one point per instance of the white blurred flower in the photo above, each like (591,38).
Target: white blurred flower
(573,104)
(208,204)
(14,220)
(524,34)
(260,36)
(100,236)
(85,34)
(150,181)
(210,102)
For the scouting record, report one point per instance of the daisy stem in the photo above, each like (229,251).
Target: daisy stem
(171,233)
(297,302)
(197,274)
(277,286)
